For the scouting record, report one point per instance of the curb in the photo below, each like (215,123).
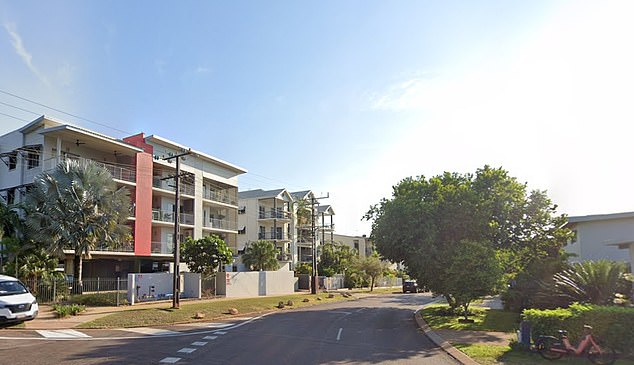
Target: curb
(440,342)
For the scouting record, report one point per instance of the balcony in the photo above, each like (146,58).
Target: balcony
(272,236)
(166,248)
(274,214)
(123,247)
(117,172)
(168,216)
(221,196)
(185,189)
(221,224)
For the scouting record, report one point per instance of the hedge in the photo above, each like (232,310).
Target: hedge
(613,325)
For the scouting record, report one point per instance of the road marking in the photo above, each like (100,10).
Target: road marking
(220,332)
(170,360)
(151,331)
(199,343)
(208,325)
(187,350)
(210,337)
(62,334)
(339,334)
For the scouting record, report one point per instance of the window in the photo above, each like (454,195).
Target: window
(33,160)
(262,212)
(11,196)
(278,233)
(356,244)
(13,160)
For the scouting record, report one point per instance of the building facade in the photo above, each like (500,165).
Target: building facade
(602,237)
(361,244)
(208,189)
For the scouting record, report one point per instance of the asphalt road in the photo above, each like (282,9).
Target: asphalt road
(372,330)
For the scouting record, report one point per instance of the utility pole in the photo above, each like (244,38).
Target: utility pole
(315,282)
(177,213)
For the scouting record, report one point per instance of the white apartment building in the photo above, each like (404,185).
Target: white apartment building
(602,236)
(209,186)
(361,244)
(285,218)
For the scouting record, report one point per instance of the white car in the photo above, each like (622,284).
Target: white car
(17,304)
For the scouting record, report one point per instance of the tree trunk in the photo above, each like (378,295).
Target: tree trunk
(77,274)
(372,283)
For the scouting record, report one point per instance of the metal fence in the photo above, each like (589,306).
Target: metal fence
(208,286)
(103,290)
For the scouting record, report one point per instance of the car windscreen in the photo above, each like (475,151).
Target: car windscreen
(11,288)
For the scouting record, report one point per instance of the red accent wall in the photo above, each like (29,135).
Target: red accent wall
(143,201)
(138,140)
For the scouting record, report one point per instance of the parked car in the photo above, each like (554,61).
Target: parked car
(17,304)
(410,286)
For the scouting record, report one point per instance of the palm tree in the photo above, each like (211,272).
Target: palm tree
(77,207)
(594,282)
(260,256)
(11,233)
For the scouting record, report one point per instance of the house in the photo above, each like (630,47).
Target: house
(602,236)
(208,189)
(361,244)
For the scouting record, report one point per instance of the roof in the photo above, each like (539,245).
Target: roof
(204,156)
(300,195)
(599,217)
(327,209)
(259,193)
(82,131)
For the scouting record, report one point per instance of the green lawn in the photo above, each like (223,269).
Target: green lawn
(504,355)
(484,319)
(211,310)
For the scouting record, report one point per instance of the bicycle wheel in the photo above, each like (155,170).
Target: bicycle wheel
(607,356)
(548,346)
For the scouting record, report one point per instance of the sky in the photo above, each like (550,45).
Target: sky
(344,98)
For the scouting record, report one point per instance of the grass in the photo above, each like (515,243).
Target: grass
(504,355)
(210,309)
(485,319)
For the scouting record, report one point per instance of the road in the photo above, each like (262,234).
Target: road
(372,330)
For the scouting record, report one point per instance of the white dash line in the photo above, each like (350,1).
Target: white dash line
(339,334)
(186,350)
(170,360)
(210,337)
(199,343)
(220,332)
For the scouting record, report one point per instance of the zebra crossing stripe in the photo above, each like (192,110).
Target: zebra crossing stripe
(62,334)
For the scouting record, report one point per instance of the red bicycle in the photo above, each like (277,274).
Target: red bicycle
(553,348)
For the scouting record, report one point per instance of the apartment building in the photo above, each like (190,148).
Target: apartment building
(208,189)
(266,215)
(362,244)
(287,219)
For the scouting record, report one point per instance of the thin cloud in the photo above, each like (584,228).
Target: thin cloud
(202,70)
(26,57)
(412,94)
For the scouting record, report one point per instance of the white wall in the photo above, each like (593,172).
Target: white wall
(255,283)
(596,239)
(156,286)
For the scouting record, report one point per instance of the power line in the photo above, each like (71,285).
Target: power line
(17,107)
(63,112)
(14,117)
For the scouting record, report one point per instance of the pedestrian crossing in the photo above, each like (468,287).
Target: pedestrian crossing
(62,334)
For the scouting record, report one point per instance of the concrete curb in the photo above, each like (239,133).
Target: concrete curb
(440,342)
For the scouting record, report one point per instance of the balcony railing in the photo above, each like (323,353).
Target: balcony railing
(221,196)
(168,216)
(117,172)
(186,189)
(272,236)
(221,224)
(274,215)
(122,247)
(163,247)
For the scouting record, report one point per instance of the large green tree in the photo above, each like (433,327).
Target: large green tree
(260,256)
(335,258)
(425,221)
(372,267)
(77,207)
(205,255)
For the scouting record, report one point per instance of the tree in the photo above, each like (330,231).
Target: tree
(335,258)
(260,256)
(205,255)
(77,207)
(11,233)
(474,273)
(372,267)
(426,220)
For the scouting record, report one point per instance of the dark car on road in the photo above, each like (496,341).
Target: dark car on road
(410,286)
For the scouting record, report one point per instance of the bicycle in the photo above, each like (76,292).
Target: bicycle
(553,348)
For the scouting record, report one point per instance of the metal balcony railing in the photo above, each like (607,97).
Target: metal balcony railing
(117,172)
(163,247)
(274,215)
(221,224)
(272,236)
(168,216)
(221,196)
(186,189)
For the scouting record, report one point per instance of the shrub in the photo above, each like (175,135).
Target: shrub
(98,299)
(64,310)
(611,324)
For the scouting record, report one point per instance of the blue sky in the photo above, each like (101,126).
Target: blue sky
(345,97)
